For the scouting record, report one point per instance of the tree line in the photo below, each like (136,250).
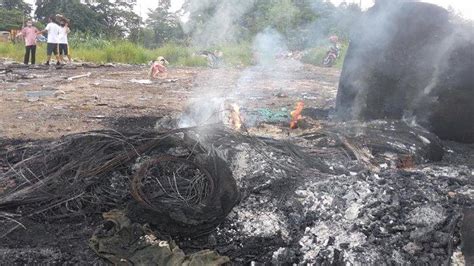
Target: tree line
(114,19)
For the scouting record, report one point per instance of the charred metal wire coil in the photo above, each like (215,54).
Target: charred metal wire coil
(172,181)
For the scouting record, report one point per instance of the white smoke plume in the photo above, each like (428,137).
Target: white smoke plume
(270,71)
(223,25)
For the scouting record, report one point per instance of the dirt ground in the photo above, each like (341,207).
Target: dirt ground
(44,104)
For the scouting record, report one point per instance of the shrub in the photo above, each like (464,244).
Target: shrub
(172,52)
(314,56)
(237,54)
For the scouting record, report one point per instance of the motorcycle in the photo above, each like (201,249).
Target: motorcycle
(331,56)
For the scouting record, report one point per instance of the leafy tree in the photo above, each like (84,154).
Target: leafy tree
(10,19)
(143,36)
(81,16)
(112,18)
(164,25)
(288,17)
(117,16)
(13,13)
(17,5)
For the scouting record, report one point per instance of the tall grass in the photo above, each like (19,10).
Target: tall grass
(237,54)
(17,51)
(96,50)
(114,52)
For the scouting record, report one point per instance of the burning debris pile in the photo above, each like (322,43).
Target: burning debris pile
(355,192)
(350,196)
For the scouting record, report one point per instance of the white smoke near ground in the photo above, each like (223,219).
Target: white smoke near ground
(270,73)
(270,52)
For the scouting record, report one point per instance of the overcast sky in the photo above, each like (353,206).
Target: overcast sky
(464,7)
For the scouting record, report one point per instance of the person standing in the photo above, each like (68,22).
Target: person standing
(53,30)
(63,42)
(29,33)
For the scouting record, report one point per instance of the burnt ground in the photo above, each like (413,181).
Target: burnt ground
(307,216)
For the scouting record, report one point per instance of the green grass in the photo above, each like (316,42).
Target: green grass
(17,51)
(237,54)
(192,61)
(114,52)
(94,50)
(172,52)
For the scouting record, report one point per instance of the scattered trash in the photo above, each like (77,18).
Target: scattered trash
(33,99)
(270,116)
(141,81)
(214,59)
(97,116)
(306,97)
(125,243)
(79,76)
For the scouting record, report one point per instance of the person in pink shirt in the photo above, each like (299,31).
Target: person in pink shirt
(29,33)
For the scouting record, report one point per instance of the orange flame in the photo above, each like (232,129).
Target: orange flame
(235,117)
(296,115)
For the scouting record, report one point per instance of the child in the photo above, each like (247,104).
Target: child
(29,33)
(158,67)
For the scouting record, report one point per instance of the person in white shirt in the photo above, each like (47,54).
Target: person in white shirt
(63,42)
(53,30)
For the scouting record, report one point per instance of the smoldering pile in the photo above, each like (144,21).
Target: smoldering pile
(166,176)
(356,192)
(370,193)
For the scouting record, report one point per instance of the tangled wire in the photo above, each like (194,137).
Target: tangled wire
(172,181)
(93,172)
